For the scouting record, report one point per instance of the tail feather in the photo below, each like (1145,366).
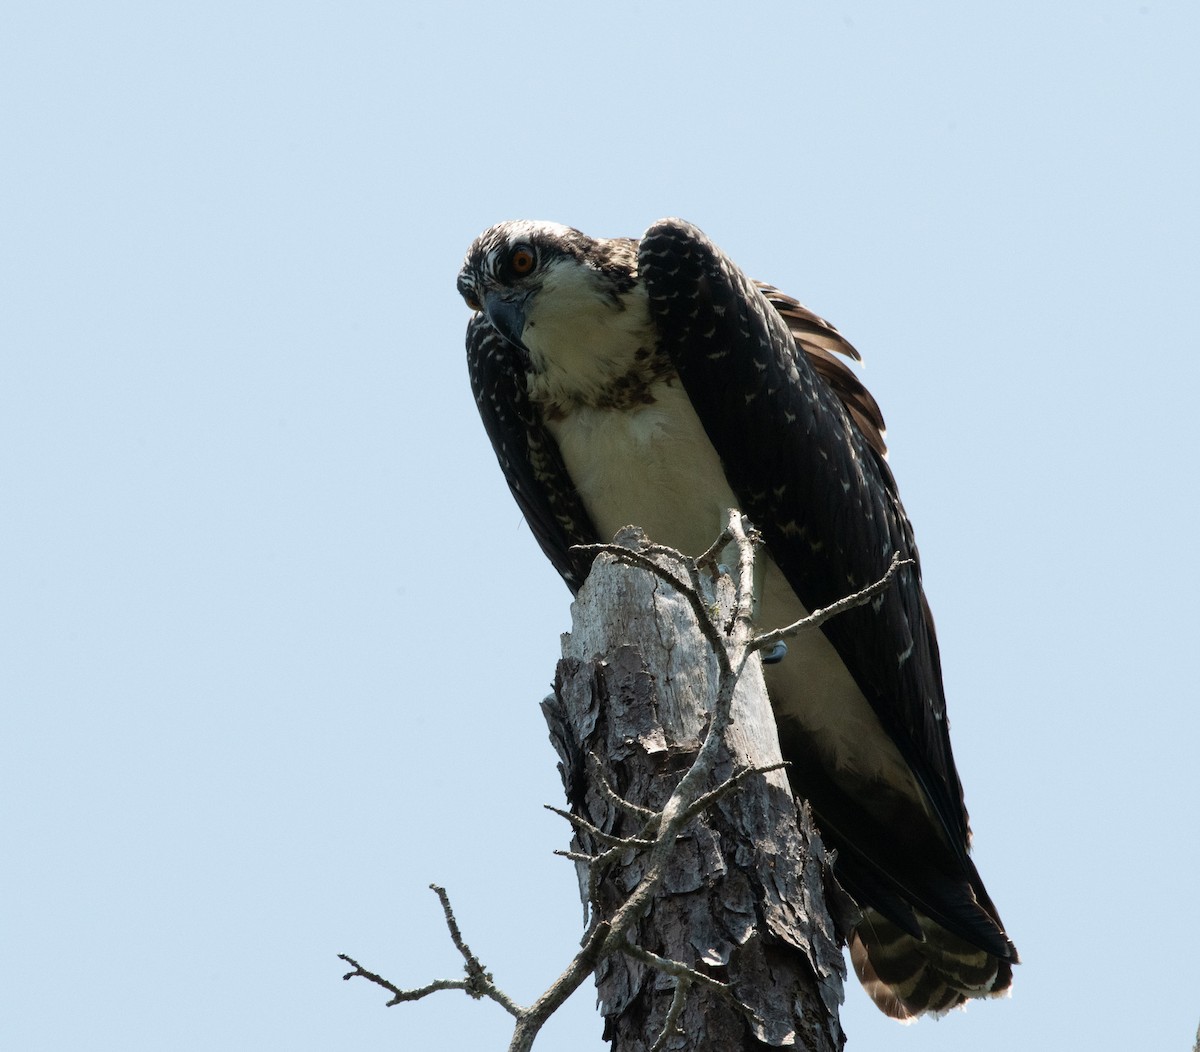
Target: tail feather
(907,977)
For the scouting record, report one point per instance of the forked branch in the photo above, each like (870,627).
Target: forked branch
(733,641)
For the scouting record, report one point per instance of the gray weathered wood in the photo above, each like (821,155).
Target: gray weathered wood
(743,898)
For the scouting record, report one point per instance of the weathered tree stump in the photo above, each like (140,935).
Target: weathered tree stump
(743,898)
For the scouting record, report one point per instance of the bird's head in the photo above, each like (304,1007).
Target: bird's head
(552,291)
(507,266)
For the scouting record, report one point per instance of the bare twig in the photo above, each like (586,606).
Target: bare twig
(819,617)
(732,645)
(531,1021)
(399,995)
(709,558)
(477,984)
(579,856)
(671,1023)
(615,798)
(685,977)
(607,839)
(706,801)
(677,969)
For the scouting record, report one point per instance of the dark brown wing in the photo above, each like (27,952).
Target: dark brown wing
(822,342)
(801,442)
(527,452)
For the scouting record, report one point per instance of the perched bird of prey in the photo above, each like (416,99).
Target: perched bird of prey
(651,382)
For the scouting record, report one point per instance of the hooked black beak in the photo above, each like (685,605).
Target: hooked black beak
(506,312)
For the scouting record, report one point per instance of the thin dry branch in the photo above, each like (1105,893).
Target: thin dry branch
(477,984)
(615,798)
(684,978)
(733,644)
(671,1023)
(607,839)
(818,617)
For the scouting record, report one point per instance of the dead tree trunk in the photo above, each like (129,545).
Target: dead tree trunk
(743,898)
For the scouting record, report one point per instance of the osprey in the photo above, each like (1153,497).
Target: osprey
(651,382)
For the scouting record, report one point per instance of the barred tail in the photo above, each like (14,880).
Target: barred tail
(906,976)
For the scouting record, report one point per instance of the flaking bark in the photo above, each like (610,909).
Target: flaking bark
(743,899)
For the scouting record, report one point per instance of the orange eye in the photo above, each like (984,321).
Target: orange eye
(522,260)
(473,303)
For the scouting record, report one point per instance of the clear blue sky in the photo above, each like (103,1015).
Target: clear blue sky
(273,634)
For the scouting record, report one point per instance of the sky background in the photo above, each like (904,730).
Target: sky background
(272,633)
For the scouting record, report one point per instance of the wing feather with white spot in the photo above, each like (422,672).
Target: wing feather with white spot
(527,452)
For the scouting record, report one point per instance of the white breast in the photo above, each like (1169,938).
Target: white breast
(653,466)
(650,466)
